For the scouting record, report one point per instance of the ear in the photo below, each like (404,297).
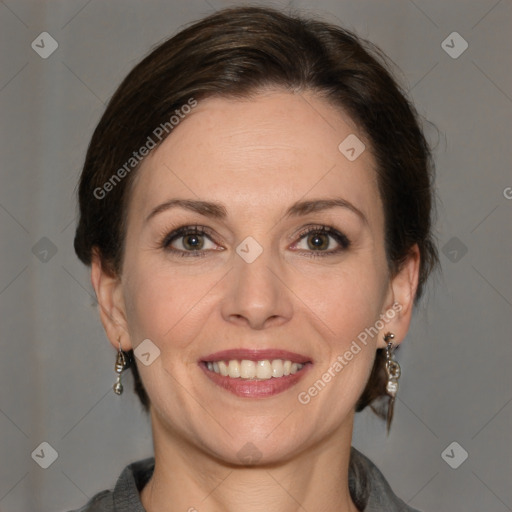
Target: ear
(108,289)
(400,298)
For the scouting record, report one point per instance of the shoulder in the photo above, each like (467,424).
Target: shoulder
(378,493)
(125,497)
(101,502)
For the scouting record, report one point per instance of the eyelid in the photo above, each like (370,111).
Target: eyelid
(186,229)
(320,228)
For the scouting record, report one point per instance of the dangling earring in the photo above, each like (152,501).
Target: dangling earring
(122,363)
(393,373)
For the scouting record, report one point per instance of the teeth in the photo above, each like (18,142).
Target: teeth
(263,370)
(247,369)
(277,368)
(233,369)
(223,368)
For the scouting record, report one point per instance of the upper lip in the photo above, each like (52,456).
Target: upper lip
(256,355)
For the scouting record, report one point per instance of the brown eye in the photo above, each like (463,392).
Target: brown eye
(318,241)
(193,242)
(189,241)
(322,241)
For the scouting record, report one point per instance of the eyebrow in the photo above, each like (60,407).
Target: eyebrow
(218,210)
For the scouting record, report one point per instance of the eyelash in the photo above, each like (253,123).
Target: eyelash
(339,237)
(183,231)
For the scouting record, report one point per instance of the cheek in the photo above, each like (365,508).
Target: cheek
(165,306)
(348,316)
(347,299)
(345,306)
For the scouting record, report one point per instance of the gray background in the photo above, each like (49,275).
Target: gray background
(56,364)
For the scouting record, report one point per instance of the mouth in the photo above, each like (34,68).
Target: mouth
(255,373)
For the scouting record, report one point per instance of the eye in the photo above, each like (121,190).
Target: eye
(322,240)
(189,241)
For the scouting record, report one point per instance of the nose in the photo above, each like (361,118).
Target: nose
(256,294)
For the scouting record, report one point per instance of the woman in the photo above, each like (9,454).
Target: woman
(255,206)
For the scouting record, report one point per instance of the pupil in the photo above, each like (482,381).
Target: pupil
(318,241)
(193,242)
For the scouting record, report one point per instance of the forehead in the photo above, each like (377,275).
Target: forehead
(258,152)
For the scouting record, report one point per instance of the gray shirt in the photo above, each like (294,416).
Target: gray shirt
(368,488)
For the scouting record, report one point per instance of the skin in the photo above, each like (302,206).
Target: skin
(256,157)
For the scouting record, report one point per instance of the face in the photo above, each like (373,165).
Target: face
(251,237)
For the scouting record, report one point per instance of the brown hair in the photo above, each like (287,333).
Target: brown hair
(234,53)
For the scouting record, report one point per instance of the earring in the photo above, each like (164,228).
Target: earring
(393,372)
(122,363)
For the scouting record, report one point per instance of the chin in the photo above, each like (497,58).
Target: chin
(245,451)
(251,445)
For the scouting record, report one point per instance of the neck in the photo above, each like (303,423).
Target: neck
(186,478)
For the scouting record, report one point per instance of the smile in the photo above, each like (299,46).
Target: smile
(255,373)
(247,369)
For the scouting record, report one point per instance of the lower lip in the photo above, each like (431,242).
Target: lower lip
(249,388)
